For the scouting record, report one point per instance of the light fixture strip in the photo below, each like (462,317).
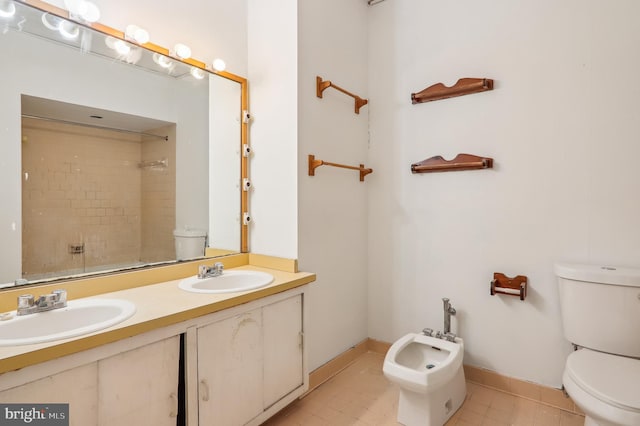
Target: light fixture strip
(109,31)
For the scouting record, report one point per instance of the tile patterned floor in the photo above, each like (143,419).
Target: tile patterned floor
(361,395)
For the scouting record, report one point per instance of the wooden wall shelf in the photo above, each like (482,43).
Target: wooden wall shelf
(464,86)
(314,164)
(321,86)
(502,284)
(461,162)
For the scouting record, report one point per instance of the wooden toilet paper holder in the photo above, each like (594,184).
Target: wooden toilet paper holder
(502,284)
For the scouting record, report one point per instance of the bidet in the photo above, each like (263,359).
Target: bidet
(429,372)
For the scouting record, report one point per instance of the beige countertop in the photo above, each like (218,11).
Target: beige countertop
(157,305)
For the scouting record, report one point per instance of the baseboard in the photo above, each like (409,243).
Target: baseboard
(378,347)
(529,390)
(336,365)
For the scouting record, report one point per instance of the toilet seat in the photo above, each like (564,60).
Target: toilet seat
(610,378)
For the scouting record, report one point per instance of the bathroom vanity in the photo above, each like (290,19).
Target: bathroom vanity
(182,358)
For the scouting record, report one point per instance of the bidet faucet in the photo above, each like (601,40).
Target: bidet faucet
(448,311)
(205,271)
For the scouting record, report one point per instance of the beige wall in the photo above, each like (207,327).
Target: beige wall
(83,186)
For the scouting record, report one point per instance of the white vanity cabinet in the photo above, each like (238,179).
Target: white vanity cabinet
(242,365)
(230,363)
(251,363)
(134,387)
(140,386)
(77,387)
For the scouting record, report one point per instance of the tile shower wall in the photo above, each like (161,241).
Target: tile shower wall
(158,197)
(81,188)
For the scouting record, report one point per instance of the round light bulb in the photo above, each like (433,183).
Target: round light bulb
(182,51)
(74,6)
(110,42)
(50,21)
(197,73)
(141,36)
(121,47)
(162,60)
(137,34)
(90,12)
(219,65)
(68,30)
(7,9)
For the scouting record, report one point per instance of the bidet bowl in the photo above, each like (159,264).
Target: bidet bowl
(79,317)
(228,282)
(422,363)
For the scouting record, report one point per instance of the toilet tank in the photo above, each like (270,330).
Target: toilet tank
(600,307)
(190,243)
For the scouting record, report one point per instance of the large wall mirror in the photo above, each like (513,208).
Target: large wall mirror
(108,151)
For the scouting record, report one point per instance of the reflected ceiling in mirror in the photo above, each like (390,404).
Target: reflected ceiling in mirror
(71,93)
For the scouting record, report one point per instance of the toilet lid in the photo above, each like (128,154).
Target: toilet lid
(611,378)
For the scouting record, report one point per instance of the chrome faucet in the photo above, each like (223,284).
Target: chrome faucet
(54,300)
(448,311)
(205,271)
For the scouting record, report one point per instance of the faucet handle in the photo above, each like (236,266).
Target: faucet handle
(218,267)
(61,296)
(46,300)
(427,331)
(449,336)
(203,270)
(25,301)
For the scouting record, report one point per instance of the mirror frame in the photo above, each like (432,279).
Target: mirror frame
(244,125)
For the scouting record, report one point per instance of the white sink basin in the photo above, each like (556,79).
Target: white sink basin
(79,317)
(228,282)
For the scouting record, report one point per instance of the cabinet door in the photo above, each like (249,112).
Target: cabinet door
(282,334)
(76,387)
(230,370)
(140,387)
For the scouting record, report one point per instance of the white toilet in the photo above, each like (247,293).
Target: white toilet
(430,375)
(601,316)
(190,243)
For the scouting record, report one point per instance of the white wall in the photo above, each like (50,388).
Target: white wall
(224,163)
(273,83)
(332,205)
(562,125)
